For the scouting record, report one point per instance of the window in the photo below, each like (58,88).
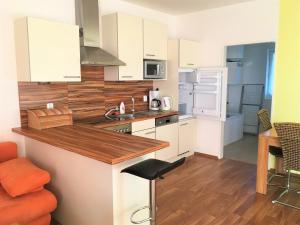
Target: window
(270,74)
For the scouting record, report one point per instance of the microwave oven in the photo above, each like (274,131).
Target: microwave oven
(154,69)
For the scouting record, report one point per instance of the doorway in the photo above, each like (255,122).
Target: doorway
(250,88)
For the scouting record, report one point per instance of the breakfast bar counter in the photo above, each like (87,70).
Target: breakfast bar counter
(105,146)
(85,161)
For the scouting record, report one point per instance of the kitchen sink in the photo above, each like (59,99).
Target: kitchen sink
(121,117)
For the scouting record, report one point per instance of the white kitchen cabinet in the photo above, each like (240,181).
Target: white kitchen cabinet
(155,40)
(148,133)
(187,135)
(167,133)
(144,128)
(143,125)
(123,37)
(188,54)
(47,51)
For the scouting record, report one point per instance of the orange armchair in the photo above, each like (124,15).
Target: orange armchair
(32,208)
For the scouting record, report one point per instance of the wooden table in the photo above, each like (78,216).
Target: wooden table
(266,139)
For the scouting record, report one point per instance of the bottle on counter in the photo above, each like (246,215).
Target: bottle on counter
(122,108)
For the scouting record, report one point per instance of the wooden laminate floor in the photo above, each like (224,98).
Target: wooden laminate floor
(219,192)
(210,192)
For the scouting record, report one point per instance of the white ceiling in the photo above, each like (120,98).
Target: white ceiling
(177,7)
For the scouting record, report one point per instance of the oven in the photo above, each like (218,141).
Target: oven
(123,128)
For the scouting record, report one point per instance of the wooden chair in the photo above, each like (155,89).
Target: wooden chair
(289,136)
(265,121)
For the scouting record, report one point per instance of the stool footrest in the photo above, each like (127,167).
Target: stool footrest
(141,221)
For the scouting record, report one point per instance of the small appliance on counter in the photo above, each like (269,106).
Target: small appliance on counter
(154,101)
(166,103)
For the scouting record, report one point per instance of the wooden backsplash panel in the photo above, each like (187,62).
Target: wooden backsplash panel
(89,98)
(86,99)
(116,92)
(35,96)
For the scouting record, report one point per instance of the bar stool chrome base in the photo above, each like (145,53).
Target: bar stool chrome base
(152,207)
(150,169)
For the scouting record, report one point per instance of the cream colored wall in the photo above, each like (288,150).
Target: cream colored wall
(244,23)
(9,11)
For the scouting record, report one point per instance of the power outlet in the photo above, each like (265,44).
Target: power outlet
(50,105)
(145,98)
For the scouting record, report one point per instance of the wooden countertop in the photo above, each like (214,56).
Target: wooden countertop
(103,122)
(105,146)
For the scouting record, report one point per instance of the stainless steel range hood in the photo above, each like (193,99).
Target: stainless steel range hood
(88,19)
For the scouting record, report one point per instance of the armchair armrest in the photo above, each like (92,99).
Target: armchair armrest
(8,151)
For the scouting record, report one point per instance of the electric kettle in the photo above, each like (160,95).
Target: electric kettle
(166,103)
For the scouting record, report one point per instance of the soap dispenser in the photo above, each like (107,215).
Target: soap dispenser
(122,108)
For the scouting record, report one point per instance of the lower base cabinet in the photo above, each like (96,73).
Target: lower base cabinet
(168,133)
(148,133)
(187,132)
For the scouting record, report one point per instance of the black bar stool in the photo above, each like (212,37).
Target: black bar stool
(151,169)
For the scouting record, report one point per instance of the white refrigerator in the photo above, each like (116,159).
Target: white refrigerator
(203,92)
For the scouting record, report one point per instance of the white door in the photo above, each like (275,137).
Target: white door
(168,133)
(207,96)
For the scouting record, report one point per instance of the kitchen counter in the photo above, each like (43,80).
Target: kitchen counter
(99,174)
(106,146)
(103,122)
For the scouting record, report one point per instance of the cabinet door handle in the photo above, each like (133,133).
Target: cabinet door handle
(190,64)
(71,76)
(150,55)
(184,124)
(151,132)
(127,76)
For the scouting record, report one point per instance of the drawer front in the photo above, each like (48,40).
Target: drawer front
(149,133)
(143,125)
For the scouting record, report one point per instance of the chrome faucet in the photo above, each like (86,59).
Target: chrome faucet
(132,110)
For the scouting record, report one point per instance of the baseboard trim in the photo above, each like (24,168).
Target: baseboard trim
(206,155)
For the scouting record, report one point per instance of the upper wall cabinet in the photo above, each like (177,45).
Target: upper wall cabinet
(123,37)
(188,54)
(155,40)
(47,51)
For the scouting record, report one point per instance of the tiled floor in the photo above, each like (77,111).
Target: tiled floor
(244,150)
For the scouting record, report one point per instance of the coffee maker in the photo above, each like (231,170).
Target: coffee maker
(154,100)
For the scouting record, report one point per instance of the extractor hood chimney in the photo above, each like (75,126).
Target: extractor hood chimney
(88,19)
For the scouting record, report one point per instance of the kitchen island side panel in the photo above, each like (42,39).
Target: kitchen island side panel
(83,186)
